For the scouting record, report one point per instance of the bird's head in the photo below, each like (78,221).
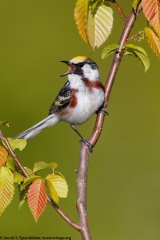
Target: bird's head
(83,67)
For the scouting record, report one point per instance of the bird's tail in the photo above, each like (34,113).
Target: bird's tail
(31,132)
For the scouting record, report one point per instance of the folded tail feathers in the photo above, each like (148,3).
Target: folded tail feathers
(31,132)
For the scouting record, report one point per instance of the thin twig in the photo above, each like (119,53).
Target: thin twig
(49,200)
(120,11)
(112,73)
(136,37)
(5,140)
(63,215)
(84,152)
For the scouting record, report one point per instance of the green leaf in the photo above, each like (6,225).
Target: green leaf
(10,163)
(139,53)
(43,165)
(6,188)
(135,4)
(17,143)
(53,165)
(29,180)
(130,52)
(136,48)
(29,171)
(53,192)
(40,166)
(18,178)
(60,174)
(109,50)
(143,59)
(57,186)
(5,122)
(23,196)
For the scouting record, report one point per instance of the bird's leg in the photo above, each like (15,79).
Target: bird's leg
(90,146)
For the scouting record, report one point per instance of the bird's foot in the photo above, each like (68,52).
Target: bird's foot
(101,109)
(89,145)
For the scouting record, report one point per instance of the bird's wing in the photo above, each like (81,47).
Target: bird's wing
(62,100)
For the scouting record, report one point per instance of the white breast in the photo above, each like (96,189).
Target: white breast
(87,105)
(87,102)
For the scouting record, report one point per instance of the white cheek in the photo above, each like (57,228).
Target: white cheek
(75,81)
(90,73)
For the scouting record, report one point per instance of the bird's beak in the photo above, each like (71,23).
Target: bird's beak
(65,74)
(66,62)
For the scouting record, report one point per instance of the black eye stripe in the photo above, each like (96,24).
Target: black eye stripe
(81,64)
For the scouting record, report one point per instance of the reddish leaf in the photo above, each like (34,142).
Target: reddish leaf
(3,156)
(151,9)
(37,198)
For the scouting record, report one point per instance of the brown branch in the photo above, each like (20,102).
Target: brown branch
(49,200)
(5,140)
(119,9)
(84,152)
(82,192)
(63,215)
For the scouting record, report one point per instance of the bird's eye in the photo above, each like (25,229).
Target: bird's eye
(81,64)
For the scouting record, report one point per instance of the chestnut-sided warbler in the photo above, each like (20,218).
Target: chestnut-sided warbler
(78,100)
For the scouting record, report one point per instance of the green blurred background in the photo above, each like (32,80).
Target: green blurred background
(124,179)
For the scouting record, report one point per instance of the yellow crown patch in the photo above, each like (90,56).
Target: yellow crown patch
(79,58)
